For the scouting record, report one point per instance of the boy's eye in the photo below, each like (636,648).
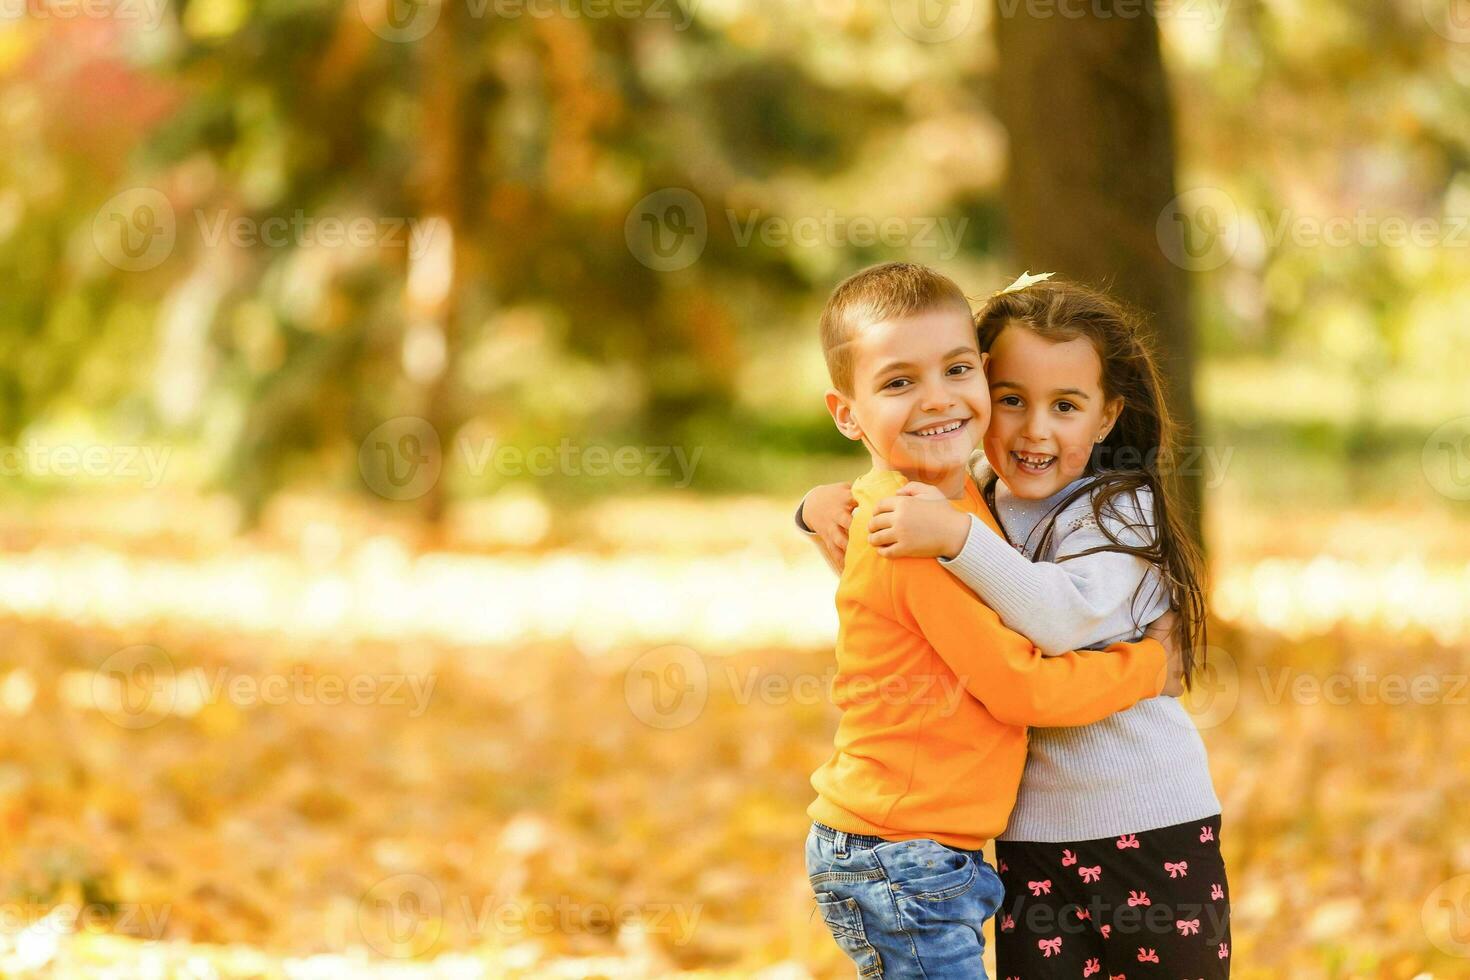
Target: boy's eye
(897,383)
(959,369)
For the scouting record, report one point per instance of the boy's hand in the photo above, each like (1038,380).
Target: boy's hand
(827,510)
(1162,629)
(918,523)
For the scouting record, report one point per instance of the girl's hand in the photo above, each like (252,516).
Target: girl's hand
(923,490)
(918,525)
(827,510)
(1162,629)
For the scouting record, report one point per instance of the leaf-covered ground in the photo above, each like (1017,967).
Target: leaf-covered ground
(185,799)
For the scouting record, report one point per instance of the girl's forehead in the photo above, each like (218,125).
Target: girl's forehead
(1019,354)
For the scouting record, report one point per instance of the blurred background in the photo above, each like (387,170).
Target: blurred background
(402,406)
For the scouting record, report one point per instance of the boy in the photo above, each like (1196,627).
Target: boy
(917,783)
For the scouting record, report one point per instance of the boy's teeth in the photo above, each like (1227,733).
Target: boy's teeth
(935,430)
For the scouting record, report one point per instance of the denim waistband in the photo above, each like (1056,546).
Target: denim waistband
(859,840)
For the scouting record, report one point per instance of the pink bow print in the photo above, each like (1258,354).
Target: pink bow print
(1003,868)
(1092,966)
(1177,869)
(1216,892)
(1138,898)
(1068,859)
(1206,834)
(1224,950)
(1083,914)
(1040,887)
(1147,956)
(1090,874)
(1188,927)
(1116,976)
(1050,947)
(1007,924)
(1127,840)
(1105,930)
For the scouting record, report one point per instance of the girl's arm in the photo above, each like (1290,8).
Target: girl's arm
(824,515)
(1061,605)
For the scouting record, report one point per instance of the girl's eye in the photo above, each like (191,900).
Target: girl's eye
(1065,407)
(1011,401)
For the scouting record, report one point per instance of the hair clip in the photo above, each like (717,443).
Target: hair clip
(1025,279)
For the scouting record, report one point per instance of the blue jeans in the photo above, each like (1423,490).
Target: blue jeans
(902,909)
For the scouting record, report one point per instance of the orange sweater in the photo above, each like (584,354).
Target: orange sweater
(936,694)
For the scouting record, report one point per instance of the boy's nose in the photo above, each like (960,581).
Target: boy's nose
(935,397)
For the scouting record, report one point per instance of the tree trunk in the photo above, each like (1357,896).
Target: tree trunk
(1086,104)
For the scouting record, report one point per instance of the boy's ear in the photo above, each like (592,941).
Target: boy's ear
(841,412)
(985,363)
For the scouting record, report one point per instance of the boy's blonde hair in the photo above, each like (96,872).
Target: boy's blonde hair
(880,292)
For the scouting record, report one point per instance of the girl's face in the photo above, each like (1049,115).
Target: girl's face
(1047,411)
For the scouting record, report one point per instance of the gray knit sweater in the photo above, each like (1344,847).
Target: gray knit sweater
(1140,769)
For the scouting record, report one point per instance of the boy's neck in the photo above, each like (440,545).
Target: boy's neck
(951,483)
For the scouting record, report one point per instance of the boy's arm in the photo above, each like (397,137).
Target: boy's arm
(1009,674)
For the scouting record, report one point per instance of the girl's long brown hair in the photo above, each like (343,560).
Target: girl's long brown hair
(1138,453)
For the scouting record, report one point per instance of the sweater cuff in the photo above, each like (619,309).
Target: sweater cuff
(801,524)
(995,571)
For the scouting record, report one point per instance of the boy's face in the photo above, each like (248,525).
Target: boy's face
(919,401)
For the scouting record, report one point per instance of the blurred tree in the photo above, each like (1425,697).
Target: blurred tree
(519,146)
(1086,102)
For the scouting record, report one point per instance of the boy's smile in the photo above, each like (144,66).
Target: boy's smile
(919,399)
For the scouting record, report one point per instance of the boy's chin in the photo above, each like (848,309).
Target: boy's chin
(936,469)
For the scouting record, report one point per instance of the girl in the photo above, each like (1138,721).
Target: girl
(1111,860)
